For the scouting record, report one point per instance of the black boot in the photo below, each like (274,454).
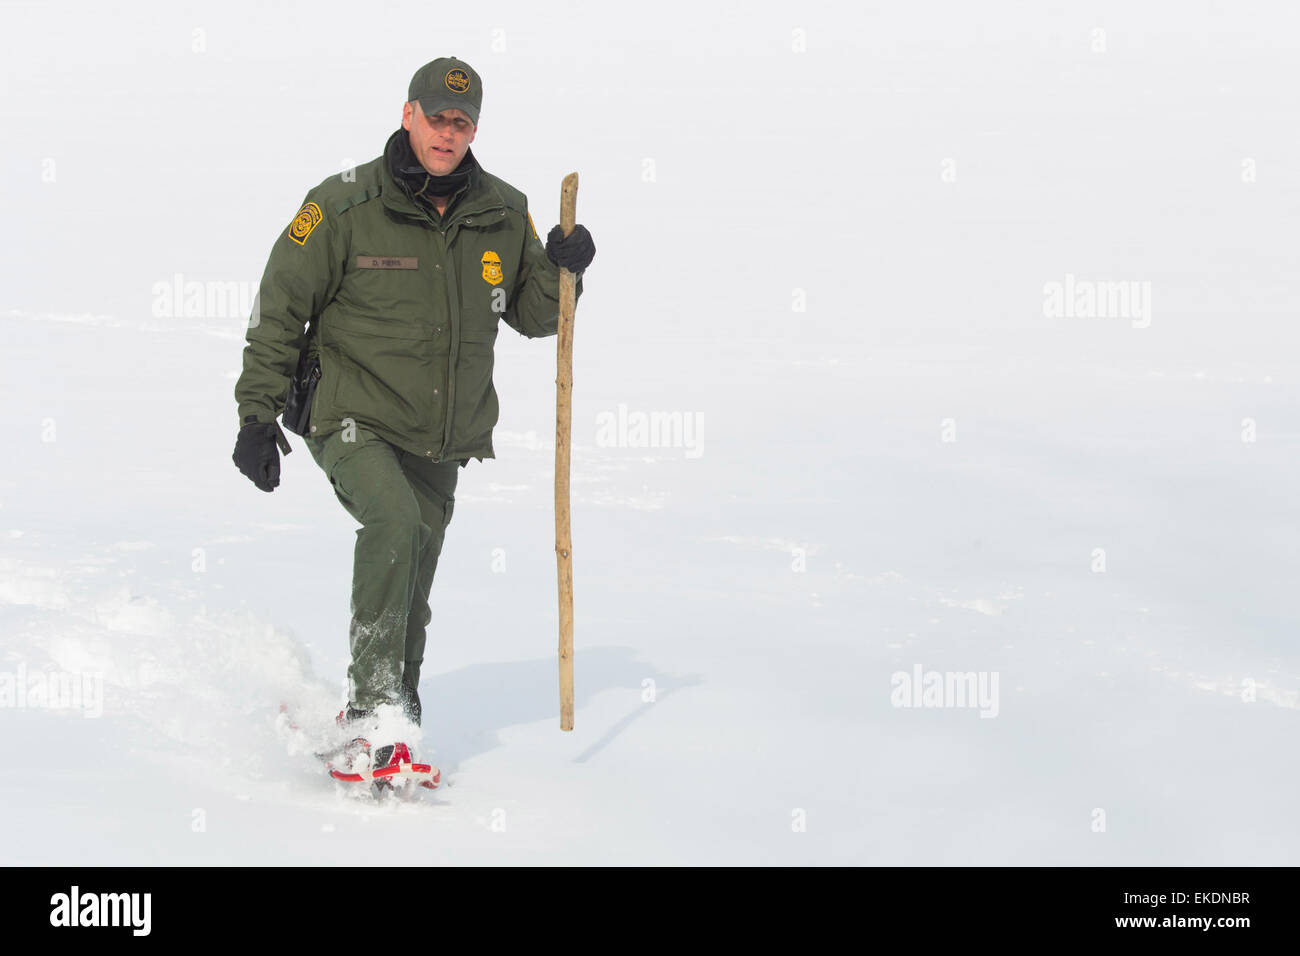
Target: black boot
(355,722)
(409,698)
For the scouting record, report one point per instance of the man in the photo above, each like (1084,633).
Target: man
(393,280)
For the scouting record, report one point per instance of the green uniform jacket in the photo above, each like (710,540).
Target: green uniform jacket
(403,309)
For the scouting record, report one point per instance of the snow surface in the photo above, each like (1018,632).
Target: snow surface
(743,600)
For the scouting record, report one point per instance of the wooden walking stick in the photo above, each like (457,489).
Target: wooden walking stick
(563,420)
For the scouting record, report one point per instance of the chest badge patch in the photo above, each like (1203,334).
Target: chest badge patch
(492,268)
(308,218)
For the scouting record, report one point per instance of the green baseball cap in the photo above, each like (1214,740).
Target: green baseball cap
(447,83)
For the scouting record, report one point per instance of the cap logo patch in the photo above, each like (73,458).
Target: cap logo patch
(492,268)
(457,80)
(308,218)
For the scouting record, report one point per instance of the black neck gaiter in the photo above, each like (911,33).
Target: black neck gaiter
(419,185)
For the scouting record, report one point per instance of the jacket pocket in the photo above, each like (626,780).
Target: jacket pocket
(476,407)
(387,301)
(394,382)
(488,254)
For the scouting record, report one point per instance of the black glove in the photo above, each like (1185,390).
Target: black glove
(256,454)
(574,251)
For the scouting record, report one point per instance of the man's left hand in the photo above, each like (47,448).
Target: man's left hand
(574,251)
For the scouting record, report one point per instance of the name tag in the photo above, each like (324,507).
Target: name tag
(388,262)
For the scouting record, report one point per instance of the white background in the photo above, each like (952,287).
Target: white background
(915,175)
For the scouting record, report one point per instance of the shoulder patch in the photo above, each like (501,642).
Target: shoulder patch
(531,226)
(308,218)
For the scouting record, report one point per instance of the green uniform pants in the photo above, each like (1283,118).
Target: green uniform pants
(404,504)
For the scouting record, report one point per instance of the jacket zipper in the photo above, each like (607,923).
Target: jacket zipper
(453,349)
(453,317)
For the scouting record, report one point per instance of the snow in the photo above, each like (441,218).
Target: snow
(923,469)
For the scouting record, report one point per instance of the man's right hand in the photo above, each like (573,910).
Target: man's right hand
(256,454)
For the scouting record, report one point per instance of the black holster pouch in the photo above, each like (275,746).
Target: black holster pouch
(302,389)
